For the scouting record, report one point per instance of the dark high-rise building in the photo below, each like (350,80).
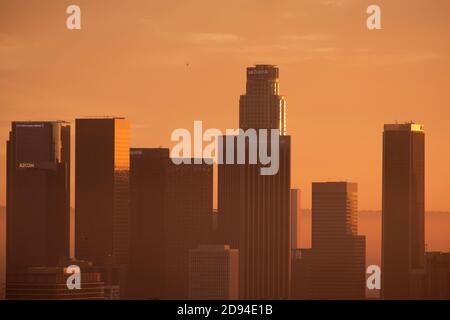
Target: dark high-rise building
(148,181)
(38,194)
(403,231)
(254,209)
(435,283)
(262,107)
(187,224)
(2,253)
(302,269)
(295,218)
(102,209)
(171,212)
(338,250)
(213,273)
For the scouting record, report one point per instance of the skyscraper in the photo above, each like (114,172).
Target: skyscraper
(338,251)
(302,269)
(213,273)
(262,107)
(295,218)
(435,283)
(38,194)
(403,231)
(2,253)
(187,222)
(102,191)
(171,212)
(254,208)
(148,180)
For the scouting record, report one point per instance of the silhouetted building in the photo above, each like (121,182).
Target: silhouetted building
(301,274)
(171,213)
(436,282)
(213,273)
(38,194)
(262,107)
(187,223)
(148,180)
(338,251)
(50,283)
(295,218)
(102,208)
(254,209)
(2,253)
(403,231)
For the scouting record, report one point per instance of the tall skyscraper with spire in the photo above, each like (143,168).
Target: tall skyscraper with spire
(403,225)
(254,209)
(38,194)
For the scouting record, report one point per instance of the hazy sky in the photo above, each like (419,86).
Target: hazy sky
(342,81)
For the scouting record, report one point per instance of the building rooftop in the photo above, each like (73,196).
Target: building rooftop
(100,118)
(30,123)
(408,126)
(212,247)
(263,71)
(264,66)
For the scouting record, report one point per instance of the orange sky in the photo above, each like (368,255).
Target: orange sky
(342,82)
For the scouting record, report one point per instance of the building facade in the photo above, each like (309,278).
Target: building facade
(302,269)
(435,283)
(102,206)
(213,273)
(254,208)
(2,253)
(403,216)
(262,106)
(148,180)
(338,251)
(187,222)
(296,211)
(50,283)
(38,194)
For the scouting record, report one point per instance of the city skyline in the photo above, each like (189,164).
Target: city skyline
(247,201)
(71,123)
(341,79)
(290,150)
